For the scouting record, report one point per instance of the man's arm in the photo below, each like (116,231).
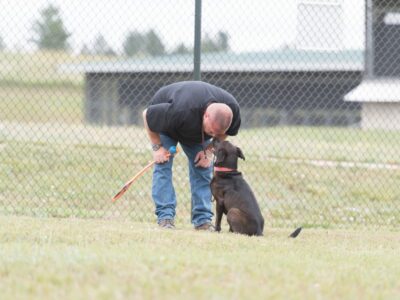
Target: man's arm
(159,155)
(153,136)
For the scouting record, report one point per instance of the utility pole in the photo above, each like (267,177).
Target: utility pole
(197,41)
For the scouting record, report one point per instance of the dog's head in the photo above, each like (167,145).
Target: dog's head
(227,154)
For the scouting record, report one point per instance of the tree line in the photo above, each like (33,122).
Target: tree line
(49,33)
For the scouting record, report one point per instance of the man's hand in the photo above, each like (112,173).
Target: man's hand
(203,160)
(161,155)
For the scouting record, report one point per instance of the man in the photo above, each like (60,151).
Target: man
(191,113)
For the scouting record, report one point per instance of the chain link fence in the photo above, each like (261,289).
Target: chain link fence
(317,82)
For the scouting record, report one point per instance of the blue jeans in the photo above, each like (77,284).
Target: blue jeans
(163,191)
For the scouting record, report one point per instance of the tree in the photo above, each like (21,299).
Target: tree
(101,47)
(208,45)
(49,30)
(148,44)
(220,44)
(85,50)
(181,49)
(154,46)
(134,43)
(222,41)
(2,44)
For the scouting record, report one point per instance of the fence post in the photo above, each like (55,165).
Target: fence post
(369,39)
(197,41)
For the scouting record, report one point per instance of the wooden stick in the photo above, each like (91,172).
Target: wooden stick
(129,183)
(172,151)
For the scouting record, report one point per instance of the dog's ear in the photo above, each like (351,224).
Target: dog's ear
(220,156)
(240,153)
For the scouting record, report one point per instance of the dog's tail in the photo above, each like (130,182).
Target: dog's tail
(295,233)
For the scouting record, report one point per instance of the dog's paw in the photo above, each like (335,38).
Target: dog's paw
(217,228)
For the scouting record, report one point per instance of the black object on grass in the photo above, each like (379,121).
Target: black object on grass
(295,233)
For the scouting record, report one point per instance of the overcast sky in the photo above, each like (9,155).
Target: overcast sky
(252,25)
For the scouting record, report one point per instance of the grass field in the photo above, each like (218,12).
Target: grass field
(41,69)
(33,90)
(54,164)
(94,259)
(74,171)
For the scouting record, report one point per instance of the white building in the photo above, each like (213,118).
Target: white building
(379,92)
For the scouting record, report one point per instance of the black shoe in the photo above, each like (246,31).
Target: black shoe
(206,227)
(167,223)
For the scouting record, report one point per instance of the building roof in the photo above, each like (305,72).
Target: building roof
(376,90)
(386,4)
(274,60)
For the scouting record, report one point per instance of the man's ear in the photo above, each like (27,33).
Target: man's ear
(206,114)
(240,153)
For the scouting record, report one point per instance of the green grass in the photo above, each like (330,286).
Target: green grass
(66,174)
(338,144)
(105,259)
(32,89)
(41,68)
(37,104)
(54,164)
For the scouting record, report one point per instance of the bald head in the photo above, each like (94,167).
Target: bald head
(217,118)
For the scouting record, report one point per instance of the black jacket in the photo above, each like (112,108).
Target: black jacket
(177,110)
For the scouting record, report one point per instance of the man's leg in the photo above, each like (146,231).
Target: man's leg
(163,191)
(200,179)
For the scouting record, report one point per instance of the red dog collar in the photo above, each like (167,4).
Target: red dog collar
(223,169)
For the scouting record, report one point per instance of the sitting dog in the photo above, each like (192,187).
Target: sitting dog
(233,195)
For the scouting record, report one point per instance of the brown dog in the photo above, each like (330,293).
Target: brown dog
(233,195)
